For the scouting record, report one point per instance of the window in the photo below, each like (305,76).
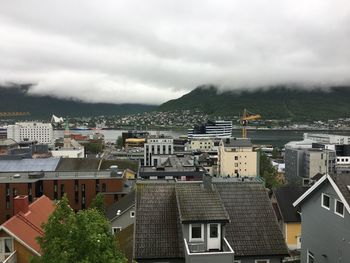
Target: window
(116,230)
(339,208)
(326,201)
(132,213)
(104,187)
(310,257)
(262,261)
(196,232)
(236,158)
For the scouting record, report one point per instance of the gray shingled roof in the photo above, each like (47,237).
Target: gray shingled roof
(285,197)
(253,229)
(157,228)
(198,204)
(122,205)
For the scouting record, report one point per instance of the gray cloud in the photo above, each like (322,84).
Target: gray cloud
(153,51)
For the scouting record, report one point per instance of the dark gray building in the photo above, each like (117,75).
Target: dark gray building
(224,220)
(326,220)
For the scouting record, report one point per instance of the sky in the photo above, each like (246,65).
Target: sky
(148,52)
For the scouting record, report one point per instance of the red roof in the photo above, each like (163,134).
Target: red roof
(27,227)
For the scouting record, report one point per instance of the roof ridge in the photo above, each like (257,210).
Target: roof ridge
(29,223)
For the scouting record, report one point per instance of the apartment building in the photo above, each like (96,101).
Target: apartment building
(32,131)
(211,129)
(201,144)
(236,157)
(157,149)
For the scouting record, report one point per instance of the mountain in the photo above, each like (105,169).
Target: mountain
(16,98)
(272,103)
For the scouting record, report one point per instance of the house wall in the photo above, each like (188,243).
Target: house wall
(246,165)
(324,232)
(124,220)
(292,231)
(23,254)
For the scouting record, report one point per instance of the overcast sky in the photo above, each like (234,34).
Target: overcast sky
(152,51)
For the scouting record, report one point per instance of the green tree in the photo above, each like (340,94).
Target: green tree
(99,203)
(82,237)
(268,172)
(119,142)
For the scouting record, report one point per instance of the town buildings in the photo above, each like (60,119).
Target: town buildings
(327,138)
(211,129)
(32,131)
(288,216)
(18,235)
(157,149)
(224,220)
(201,144)
(180,167)
(80,179)
(325,220)
(236,157)
(121,214)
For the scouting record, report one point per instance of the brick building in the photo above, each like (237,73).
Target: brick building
(80,187)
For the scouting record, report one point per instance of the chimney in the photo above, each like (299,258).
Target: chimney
(20,204)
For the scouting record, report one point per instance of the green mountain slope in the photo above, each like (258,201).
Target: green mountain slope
(17,99)
(273,103)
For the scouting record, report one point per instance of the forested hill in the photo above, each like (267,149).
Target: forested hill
(273,103)
(18,99)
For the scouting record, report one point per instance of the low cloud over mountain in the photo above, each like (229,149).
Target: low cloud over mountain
(152,51)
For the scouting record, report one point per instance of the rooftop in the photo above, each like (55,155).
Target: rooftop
(237,142)
(285,197)
(29,165)
(27,227)
(199,204)
(123,204)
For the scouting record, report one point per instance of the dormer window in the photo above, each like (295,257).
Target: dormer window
(196,232)
(339,208)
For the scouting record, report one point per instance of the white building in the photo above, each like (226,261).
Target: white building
(32,131)
(71,150)
(327,138)
(236,157)
(201,144)
(157,150)
(211,129)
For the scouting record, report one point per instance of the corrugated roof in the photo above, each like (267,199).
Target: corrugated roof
(199,204)
(253,229)
(27,227)
(29,165)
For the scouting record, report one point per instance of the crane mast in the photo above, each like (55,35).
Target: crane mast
(247,116)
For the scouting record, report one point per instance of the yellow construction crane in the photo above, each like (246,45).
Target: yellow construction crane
(247,116)
(14,114)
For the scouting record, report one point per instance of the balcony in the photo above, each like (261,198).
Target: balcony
(12,258)
(196,253)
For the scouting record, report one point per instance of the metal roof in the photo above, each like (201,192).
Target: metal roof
(29,165)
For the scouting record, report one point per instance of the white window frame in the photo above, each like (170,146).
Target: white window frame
(325,207)
(2,244)
(335,207)
(132,214)
(116,227)
(266,260)
(196,239)
(308,254)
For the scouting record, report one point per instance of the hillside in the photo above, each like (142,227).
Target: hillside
(18,99)
(273,103)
